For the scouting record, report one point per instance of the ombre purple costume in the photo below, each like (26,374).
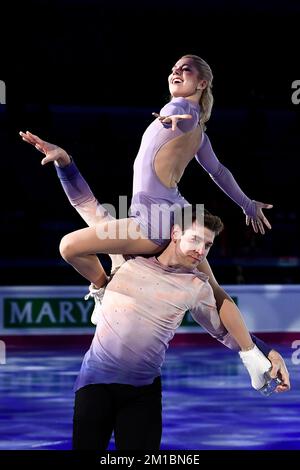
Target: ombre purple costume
(149,192)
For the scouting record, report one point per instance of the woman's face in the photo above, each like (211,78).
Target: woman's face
(184,78)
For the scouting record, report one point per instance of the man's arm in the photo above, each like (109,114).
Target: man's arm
(205,313)
(256,360)
(232,321)
(230,315)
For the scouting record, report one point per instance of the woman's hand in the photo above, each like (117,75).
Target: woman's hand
(173,119)
(53,152)
(259,220)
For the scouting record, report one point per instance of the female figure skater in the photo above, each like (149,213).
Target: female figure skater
(168,145)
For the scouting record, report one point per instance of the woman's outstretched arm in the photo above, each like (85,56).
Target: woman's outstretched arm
(74,185)
(225,180)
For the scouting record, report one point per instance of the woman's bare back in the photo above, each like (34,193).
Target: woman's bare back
(173,157)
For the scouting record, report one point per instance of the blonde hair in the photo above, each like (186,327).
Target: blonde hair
(206,101)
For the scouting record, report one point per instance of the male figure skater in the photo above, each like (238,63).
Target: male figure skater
(119,386)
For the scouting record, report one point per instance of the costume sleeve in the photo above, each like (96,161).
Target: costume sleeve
(210,321)
(80,195)
(181,107)
(205,313)
(223,177)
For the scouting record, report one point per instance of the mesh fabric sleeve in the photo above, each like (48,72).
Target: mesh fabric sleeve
(223,177)
(184,125)
(82,198)
(80,195)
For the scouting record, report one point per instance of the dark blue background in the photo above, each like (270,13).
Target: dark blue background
(87,75)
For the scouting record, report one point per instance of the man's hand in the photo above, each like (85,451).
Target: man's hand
(173,119)
(259,220)
(279,369)
(256,364)
(52,152)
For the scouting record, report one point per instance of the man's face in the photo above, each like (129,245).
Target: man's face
(193,245)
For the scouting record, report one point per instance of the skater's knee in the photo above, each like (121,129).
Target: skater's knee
(67,248)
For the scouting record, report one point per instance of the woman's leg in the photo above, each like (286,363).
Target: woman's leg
(79,248)
(93,213)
